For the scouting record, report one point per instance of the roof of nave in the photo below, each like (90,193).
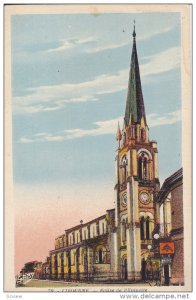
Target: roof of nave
(89,222)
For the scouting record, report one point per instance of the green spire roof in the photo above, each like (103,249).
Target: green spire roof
(135,103)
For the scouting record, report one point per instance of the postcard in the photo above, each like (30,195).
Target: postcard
(98,148)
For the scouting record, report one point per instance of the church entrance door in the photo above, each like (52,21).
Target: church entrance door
(124,269)
(143,269)
(166,274)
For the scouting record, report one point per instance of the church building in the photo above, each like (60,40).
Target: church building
(115,246)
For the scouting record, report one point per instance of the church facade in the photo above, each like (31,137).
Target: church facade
(115,246)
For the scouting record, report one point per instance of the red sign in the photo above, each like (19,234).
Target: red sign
(167,248)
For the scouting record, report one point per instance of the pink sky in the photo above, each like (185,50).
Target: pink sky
(42,212)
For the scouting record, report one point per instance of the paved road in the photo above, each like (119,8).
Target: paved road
(84,286)
(48,283)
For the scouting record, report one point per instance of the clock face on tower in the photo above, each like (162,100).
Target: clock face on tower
(124,199)
(144,197)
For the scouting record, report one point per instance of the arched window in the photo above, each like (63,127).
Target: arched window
(69,263)
(148,228)
(81,256)
(100,255)
(124,232)
(124,138)
(55,261)
(62,265)
(143,166)
(97,228)
(143,134)
(103,228)
(124,168)
(142,228)
(132,131)
(77,257)
(123,223)
(140,168)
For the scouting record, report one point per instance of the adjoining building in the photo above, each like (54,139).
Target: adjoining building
(45,273)
(170,199)
(38,270)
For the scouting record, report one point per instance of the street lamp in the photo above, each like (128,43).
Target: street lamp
(156,236)
(154,270)
(149,247)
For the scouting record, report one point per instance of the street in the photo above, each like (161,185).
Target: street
(84,287)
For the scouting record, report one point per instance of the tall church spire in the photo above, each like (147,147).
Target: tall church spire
(135,104)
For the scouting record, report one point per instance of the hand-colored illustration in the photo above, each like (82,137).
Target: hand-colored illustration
(98,180)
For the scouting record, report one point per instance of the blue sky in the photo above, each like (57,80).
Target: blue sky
(69,86)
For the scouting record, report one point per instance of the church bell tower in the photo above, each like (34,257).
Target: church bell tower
(136,182)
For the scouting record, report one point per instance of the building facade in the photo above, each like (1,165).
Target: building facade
(38,270)
(45,274)
(83,251)
(137,182)
(114,246)
(170,200)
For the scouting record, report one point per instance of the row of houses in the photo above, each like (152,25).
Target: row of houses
(37,269)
